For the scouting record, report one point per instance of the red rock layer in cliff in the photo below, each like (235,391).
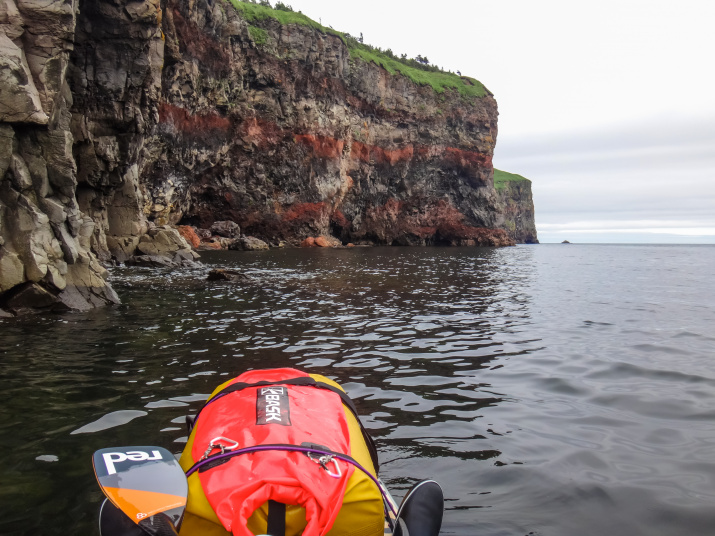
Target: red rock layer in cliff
(423,222)
(193,125)
(279,129)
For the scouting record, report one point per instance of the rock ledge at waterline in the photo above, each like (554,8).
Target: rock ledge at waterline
(118,118)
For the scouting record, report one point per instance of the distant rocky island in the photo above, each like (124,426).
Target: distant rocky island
(132,128)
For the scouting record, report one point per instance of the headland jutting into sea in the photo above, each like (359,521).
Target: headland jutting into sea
(121,120)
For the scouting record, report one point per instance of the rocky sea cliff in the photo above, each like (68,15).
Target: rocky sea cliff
(121,120)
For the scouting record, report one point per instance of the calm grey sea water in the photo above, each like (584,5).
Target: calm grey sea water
(558,390)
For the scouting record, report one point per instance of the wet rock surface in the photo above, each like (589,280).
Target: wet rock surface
(321,242)
(227,229)
(248,243)
(233,276)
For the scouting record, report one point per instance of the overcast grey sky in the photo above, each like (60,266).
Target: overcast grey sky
(608,107)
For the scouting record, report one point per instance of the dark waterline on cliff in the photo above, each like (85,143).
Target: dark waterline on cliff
(551,389)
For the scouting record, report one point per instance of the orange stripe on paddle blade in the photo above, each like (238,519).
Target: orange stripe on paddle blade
(139,504)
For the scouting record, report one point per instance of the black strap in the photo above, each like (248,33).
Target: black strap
(302,381)
(309,382)
(276,518)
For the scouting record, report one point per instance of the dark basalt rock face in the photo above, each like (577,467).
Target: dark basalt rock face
(120,117)
(46,259)
(233,276)
(291,138)
(516,212)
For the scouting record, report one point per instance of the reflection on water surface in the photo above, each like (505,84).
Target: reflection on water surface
(554,390)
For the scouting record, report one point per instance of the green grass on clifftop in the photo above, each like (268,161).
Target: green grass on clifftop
(502,177)
(256,12)
(469,87)
(437,79)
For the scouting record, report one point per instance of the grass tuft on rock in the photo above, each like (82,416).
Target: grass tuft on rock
(259,35)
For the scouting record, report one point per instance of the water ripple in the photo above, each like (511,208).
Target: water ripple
(550,390)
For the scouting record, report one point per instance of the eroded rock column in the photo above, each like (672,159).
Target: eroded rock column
(45,257)
(115,77)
